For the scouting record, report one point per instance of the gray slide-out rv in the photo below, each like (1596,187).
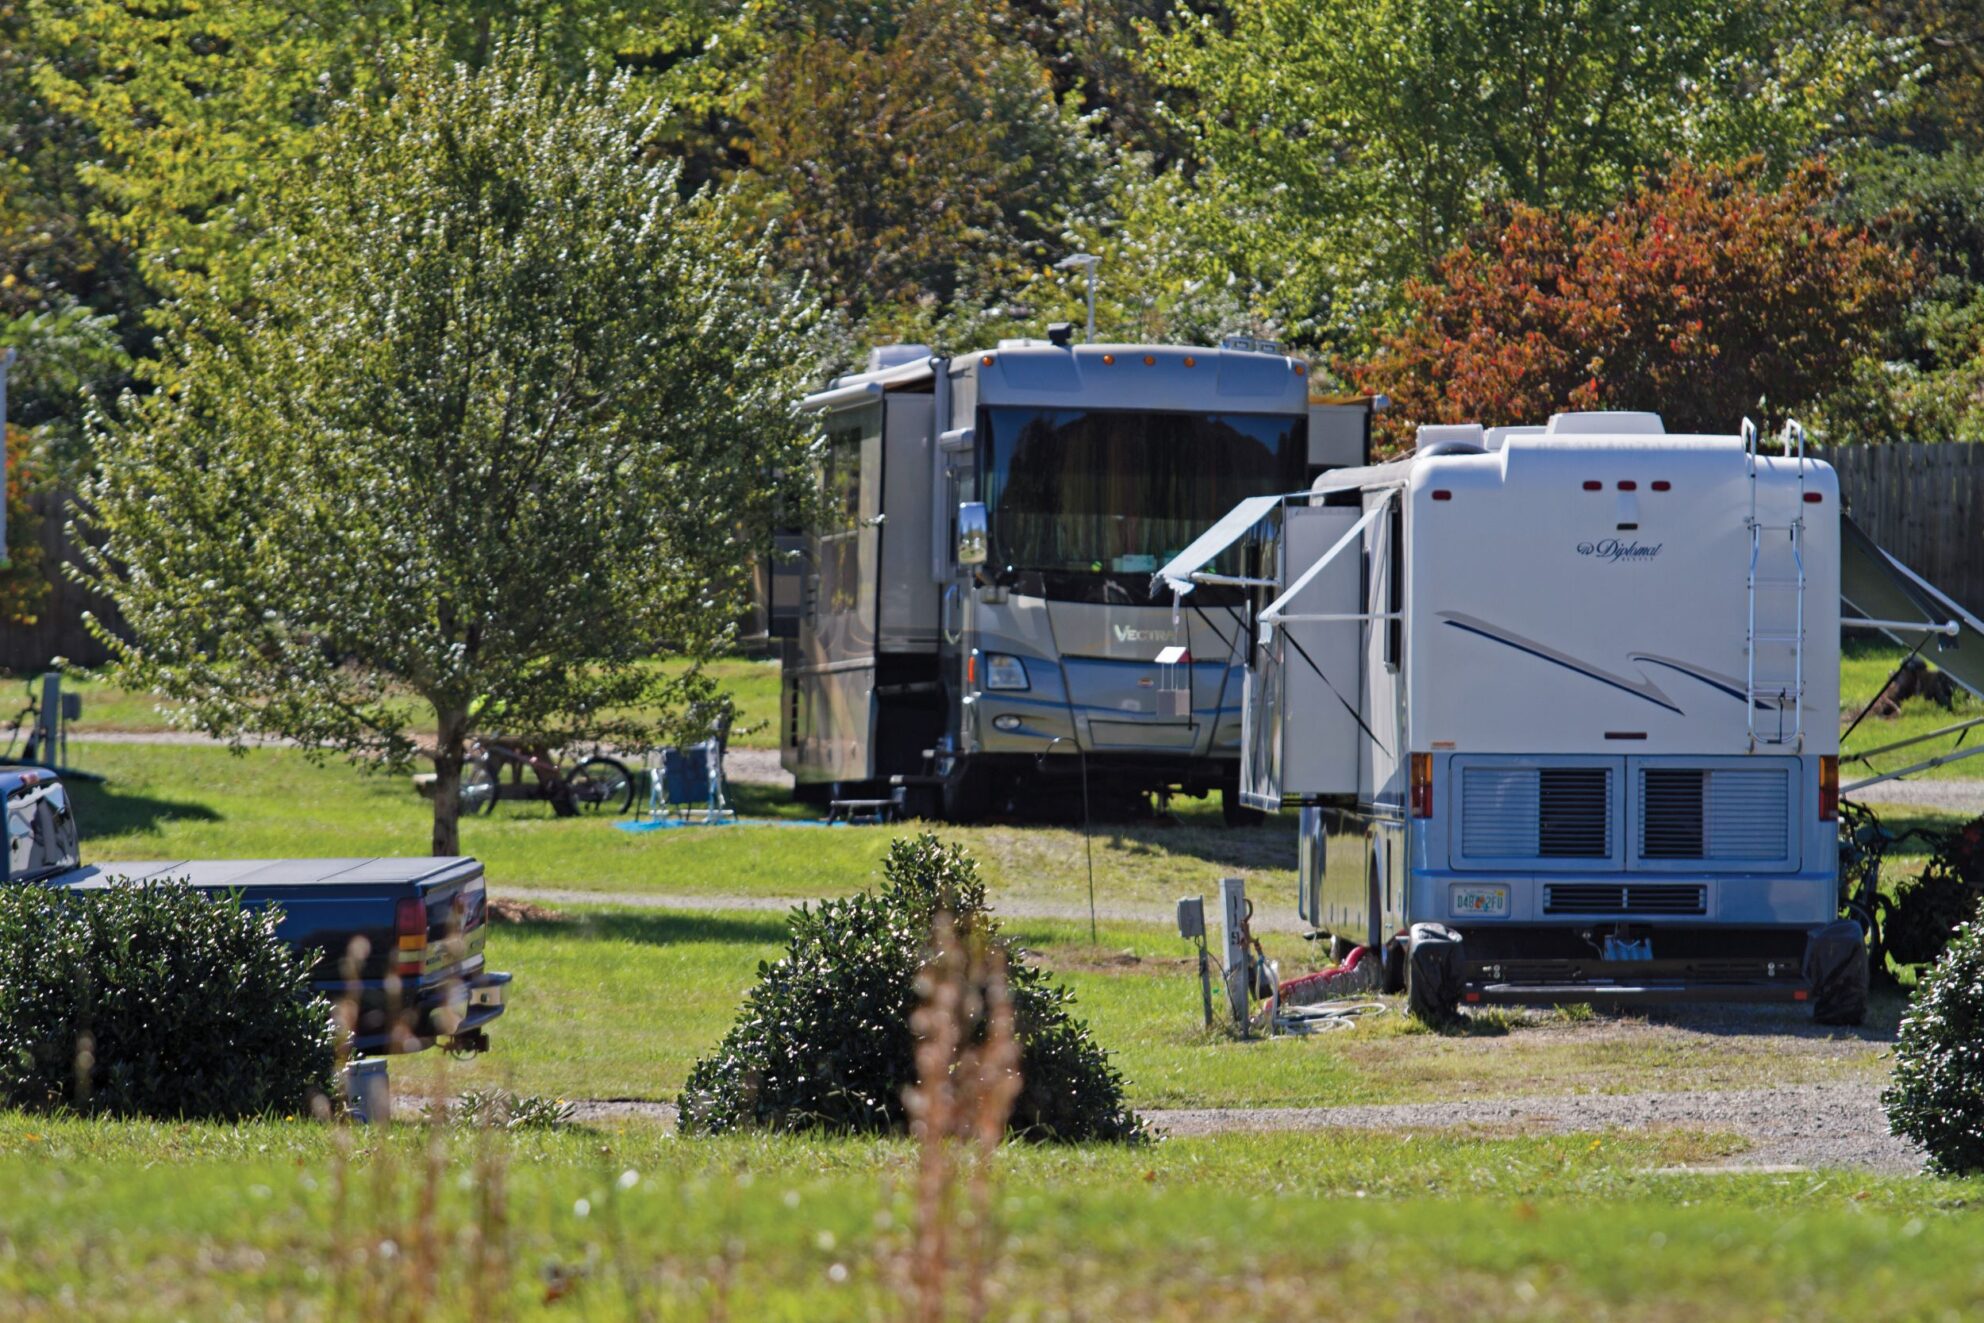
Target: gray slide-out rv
(973,619)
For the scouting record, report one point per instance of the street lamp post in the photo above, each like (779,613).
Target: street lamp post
(1091,261)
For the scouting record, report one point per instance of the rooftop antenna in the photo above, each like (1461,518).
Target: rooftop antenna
(1091,261)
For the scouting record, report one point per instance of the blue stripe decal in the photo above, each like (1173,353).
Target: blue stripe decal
(1575,670)
(1733,692)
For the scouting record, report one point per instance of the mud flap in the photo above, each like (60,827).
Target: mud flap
(1436,972)
(1836,967)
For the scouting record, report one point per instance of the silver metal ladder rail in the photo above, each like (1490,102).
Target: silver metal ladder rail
(1776,692)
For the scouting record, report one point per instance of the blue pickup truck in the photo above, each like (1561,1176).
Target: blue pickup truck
(404,936)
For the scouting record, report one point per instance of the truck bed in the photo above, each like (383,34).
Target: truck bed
(339,908)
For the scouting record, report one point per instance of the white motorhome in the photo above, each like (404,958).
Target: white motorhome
(1559,705)
(974,619)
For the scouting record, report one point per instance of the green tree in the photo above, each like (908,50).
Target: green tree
(1344,145)
(196,108)
(497,428)
(1702,297)
(914,167)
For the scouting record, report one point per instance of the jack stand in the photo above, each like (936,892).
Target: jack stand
(368,1093)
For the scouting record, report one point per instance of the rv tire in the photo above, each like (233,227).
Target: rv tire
(1392,967)
(1235,814)
(1435,973)
(1837,967)
(966,793)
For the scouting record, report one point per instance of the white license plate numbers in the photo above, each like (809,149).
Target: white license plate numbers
(1482,902)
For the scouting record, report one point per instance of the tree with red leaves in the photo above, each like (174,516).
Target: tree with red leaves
(1705,296)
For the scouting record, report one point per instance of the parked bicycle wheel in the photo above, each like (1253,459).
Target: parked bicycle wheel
(602,785)
(478,790)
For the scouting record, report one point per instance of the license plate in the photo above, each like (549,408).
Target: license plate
(489,996)
(1485,902)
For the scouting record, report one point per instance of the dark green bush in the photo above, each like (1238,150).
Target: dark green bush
(155,1000)
(824,1039)
(1937,1095)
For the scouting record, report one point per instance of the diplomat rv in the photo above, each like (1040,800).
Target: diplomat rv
(975,618)
(1560,707)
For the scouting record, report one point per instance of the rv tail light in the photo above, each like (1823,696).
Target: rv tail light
(1828,787)
(1422,785)
(971,671)
(410,925)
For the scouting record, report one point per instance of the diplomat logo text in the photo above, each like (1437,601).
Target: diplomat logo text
(1614,550)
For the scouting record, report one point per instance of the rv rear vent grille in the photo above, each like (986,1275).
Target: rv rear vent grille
(1725,814)
(1532,813)
(1634,898)
(1575,818)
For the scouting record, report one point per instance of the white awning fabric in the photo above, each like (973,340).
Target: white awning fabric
(1232,526)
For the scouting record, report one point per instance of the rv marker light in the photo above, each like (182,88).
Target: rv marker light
(1442,494)
(986,361)
(1190,361)
(1813,498)
(1628,485)
(1150,360)
(1662,485)
(1591,486)
(1109,360)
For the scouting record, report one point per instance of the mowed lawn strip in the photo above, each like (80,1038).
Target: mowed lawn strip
(619,1004)
(131,1221)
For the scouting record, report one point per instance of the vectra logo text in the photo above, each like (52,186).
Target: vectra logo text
(1612,549)
(1128,634)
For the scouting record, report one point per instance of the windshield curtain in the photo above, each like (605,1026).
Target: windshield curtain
(1118,492)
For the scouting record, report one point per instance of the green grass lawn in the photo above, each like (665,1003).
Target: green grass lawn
(110,708)
(132,1221)
(1864,668)
(187,802)
(619,1004)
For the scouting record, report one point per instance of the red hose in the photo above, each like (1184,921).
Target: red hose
(1322,978)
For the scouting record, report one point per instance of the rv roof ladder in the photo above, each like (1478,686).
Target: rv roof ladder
(1777,569)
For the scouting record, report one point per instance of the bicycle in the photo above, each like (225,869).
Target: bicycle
(591,785)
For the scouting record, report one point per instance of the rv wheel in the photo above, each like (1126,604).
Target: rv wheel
(1392,967)
(966,792)
(1236,814)
(1836,964)
(1434,973)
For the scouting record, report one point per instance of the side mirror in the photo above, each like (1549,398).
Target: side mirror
(973,534)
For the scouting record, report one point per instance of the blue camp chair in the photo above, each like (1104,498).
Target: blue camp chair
(687,783)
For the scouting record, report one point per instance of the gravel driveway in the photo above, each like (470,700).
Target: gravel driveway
(1799,1125)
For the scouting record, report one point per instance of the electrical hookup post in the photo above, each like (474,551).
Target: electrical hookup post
(1238,971)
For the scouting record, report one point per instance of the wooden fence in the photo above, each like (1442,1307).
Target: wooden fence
(1924,505)
(59,630)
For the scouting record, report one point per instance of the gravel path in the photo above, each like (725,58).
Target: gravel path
(1955,796)
(1794,1126)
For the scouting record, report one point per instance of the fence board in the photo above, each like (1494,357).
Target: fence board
(1924,504)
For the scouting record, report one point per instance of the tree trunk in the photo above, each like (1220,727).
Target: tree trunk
(450,745)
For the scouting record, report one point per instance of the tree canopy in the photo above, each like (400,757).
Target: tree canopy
(496,428)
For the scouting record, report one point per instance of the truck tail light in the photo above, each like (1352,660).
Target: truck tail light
(1422,785)
(1828,787)
(410,925)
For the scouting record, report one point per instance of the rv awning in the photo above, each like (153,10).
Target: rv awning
(1177,575)
(1876,587)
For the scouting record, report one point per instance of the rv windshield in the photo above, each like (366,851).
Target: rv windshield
(1094,492)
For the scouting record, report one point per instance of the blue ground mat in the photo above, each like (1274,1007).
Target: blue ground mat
(668,824)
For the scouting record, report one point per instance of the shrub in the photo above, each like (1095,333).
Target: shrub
(824,1040)
(155,1000)
(1937,1095)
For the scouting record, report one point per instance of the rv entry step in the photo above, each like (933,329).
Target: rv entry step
(1608,994)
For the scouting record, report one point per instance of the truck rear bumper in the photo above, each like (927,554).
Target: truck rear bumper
(455,1014)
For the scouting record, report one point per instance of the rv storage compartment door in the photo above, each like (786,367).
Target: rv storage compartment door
(1300,737)
(907,593)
